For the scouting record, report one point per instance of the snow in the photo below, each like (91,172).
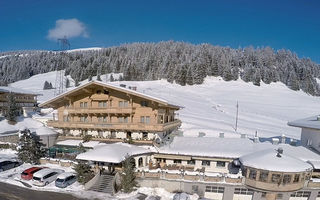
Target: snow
(310,122)
(15,90)
(84,49)
(231,148)
(21,124)
(44,131)
(211,107)
(112,153)
(268,160)
(90,144)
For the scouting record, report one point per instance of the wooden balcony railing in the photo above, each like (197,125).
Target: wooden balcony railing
(100,110)
(115,126)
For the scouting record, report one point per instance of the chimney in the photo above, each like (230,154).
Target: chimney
(275,141)
(283,138)
(221,135)
(256,139)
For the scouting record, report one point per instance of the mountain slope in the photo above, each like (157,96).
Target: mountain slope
(211,107)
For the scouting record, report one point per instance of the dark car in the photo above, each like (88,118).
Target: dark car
(8,164)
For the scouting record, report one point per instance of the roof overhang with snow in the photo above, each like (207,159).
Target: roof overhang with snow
(112,153)
(80,89)
(6,89)
(310,122)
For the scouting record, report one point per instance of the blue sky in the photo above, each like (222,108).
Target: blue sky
(289,24)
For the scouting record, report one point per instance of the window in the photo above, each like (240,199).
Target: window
(102,119)
(301,194)
(253,174)
(205,163)
(66,105)
(144,103)
(83,119)
(214,189)
(142,119)
(263,176)
(102,104)
(191,162)
(296,178)
(123,119)
(221,164)
(123,104)
(83,104)
(140,162)
(275,178)
(147,120)
(177,161)
(286,179)
(243,191)
(66,118)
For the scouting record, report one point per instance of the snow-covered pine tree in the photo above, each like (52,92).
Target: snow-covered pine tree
(98,77)
(30,148)
(293,82)
(257,77)
(84,172)
(227,76)
(67,83)
(128,182)
(12,109)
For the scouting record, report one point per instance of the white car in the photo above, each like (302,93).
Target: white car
(45,176)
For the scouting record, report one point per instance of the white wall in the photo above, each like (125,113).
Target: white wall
(312,135)
(75,132)
(212,195)
(242,197)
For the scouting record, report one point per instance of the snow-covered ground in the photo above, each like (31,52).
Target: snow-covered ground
(12,176)
(211,107)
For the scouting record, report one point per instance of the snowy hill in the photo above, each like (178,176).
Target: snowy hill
(211,107)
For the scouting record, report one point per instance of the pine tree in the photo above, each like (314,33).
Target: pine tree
(121,78)
(76,83)
(84,172)
(67,83)
(227,75)
(47,85)
(90,78)
(30,149)
(189,78)
(293,82)
(257,78)
(12,109)
(111,78)
(128,181)
(98,77)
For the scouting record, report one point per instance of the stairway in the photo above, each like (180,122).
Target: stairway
(104,184)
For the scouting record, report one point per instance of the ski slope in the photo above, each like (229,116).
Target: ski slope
(211,107)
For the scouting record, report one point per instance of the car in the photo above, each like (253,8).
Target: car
(65,179)
(8,164)
(45,176)
(28,173)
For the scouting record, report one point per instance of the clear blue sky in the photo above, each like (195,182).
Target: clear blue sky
(289,24)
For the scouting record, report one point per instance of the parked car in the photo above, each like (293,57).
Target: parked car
(65,179)
(45,176)
(8,164)
(28,173)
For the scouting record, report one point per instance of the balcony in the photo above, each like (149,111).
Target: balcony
(100,110)
(116,126)
(276,187)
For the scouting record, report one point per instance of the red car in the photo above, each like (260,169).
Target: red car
(28,173)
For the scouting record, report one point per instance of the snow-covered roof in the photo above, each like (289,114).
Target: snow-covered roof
(45,171)
(315,163)
(310,122)
(90,144)
(7,89)
(268,160)
(230,148)
(112,153)
(65,175)
(112,86)
(43,131)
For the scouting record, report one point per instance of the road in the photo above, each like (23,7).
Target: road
(12,192)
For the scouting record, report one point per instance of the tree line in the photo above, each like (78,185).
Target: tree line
(180,62)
